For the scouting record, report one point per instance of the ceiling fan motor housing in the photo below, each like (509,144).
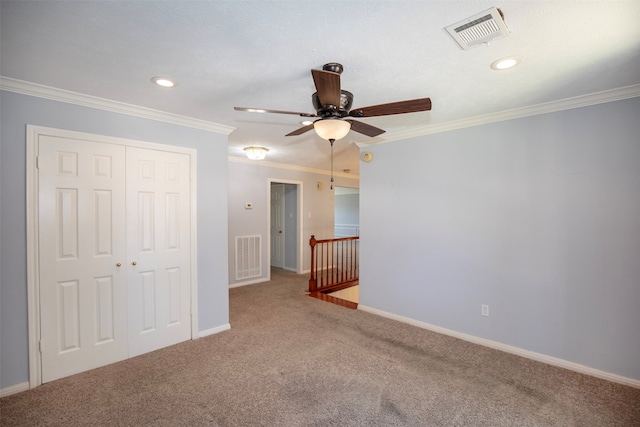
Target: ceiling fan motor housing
(346,101)
(334,67)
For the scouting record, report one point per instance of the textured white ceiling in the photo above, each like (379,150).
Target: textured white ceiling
(259,54)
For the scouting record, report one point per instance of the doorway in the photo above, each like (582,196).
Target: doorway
(285,224)
(346,212)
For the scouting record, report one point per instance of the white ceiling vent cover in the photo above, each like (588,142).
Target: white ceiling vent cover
(478,29)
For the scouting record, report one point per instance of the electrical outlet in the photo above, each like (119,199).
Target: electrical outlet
(485,310)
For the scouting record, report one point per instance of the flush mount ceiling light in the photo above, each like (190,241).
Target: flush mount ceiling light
(505,63)
(164,82)
(331,129)
(256,153)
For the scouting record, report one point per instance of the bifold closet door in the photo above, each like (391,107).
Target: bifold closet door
(158,249)
(114,261)
(82,273)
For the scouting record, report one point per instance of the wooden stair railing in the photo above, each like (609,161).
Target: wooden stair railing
(334,263)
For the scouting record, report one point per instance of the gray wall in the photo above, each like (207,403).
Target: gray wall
(20,110)
(249,182)
(538,217)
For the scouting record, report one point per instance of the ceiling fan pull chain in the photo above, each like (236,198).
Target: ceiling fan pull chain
(332,141)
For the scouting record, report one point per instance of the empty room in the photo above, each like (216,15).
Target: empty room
(177,178)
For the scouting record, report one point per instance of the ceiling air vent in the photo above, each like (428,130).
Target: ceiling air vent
(479,29)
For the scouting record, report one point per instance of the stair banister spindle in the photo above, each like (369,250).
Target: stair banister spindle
(313,281)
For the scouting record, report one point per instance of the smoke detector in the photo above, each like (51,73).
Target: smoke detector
(479,29)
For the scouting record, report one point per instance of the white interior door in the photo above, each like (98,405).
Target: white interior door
(277,225)
(114,252)
(81,218)
(158,228)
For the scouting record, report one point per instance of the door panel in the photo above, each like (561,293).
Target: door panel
(158,225)
(277,225)
(82,290)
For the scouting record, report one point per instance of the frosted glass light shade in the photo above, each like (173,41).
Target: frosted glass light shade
(256,153)
(331,128)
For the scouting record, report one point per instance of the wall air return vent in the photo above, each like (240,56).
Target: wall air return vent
(479,29)
(248,262)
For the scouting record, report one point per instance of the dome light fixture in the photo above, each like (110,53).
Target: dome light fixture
(331,128)
(164,82)
(256,153)
(505,63)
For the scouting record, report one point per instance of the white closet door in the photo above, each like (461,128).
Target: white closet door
(158,249)
(81,225)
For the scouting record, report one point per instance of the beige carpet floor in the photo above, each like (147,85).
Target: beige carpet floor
(291,360)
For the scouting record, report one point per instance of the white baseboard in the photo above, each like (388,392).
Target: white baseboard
(538,357)
(213,331)
(248,282)
(18,388)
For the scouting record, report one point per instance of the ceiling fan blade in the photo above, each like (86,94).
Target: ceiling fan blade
(264,110)
(401,107)
(364,128)
(301,130)
(328,87)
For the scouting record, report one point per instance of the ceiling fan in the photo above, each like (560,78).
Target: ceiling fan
(333,107)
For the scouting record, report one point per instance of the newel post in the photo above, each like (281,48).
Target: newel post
(313,281)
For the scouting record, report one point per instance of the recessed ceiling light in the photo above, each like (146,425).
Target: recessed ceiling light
(505,63)
(306,122)
(163,81)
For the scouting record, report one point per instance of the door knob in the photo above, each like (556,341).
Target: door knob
(119,265)
(134,263)
(280,232)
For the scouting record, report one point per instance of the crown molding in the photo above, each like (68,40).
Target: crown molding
(612,95)
(61,95)
(47,92)
(268,164)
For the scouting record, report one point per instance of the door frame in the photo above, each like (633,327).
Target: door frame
(33,280)
(299,193)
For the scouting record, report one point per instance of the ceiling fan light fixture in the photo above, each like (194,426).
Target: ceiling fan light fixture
(331,128)
(256,153)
